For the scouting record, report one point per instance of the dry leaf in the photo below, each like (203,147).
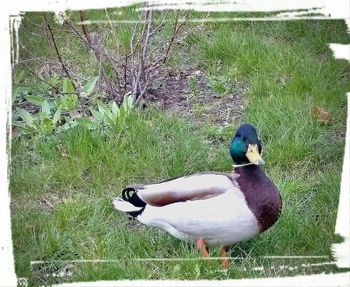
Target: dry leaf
(321,115)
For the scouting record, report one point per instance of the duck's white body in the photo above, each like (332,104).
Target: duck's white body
(202,206)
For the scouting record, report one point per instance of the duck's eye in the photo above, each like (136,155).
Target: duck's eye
(260,147)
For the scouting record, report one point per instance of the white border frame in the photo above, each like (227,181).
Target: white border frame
(340,10)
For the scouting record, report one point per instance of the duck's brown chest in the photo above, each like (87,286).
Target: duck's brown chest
(261,195)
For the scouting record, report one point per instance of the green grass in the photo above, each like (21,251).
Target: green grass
(286,69)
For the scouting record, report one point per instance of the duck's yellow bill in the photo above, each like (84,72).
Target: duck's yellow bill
(253,154)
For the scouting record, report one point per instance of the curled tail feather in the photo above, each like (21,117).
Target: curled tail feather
(130,202)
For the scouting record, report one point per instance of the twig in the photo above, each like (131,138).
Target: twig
(98,54)
(148,35)
(155,30)
(142,60)
(139,77)
(161,60)
(125,72)
(181,37)
(132,46)
(46,61)
(161,43)
(40,78)
(175,31)
(88,44)
(112,28)
(57,52)
(39,59)
(144,50)
(84,27)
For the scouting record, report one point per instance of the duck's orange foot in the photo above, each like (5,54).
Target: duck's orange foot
(225,262)
(202,248)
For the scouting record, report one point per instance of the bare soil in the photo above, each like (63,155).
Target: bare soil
(175,95)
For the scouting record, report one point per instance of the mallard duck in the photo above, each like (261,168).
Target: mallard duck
(211,208)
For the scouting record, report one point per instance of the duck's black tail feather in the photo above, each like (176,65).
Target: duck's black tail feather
(129,194)
(130,202)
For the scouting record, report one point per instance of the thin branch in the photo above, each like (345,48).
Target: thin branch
(161,24)
(160,43)
(175,31)
(84,26)
(148,34)
(181,37)
(112,29)
(132,46)
(40,78)
(88,44)
(45,60)
(142,68)
(125,72)
(136,72)
(78,34)
(39,59)
(171,41)
(57,52)
(139,75)
(98,55)
(145,45)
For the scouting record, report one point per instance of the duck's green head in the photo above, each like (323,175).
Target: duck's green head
(246,146)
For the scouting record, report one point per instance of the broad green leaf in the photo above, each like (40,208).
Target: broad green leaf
(36,100)
(107,114)
(36,125)
(18,91)
(90,85)
(46,125)
(57,116)
(68,102)
(72,123)
(27,117)
(21,76)
(108,120)
(97,115)
(68,87)
(129,102)
(23,127)
(53,105)
(15,94)
(122,113)
(115,110)
(45,108)
(85,122)
(68,125)
(18,124)
(104,110)
(102,107)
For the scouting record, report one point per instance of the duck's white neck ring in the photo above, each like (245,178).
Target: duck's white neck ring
(240,165)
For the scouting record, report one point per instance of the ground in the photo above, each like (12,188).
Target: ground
(188,94)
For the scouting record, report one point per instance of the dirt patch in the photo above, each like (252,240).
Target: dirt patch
(187,93)
(44,204)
